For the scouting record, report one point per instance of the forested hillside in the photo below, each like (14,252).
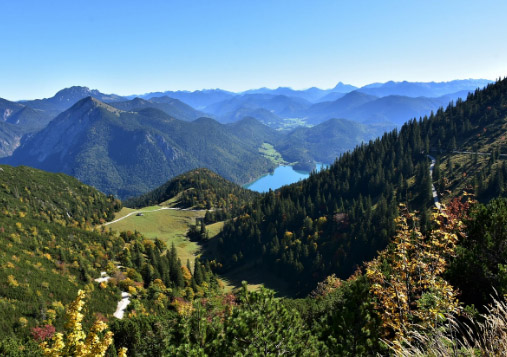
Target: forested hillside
(198,189)
(342,216)
(49,249)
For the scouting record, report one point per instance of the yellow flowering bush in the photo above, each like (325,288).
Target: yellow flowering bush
(74,341)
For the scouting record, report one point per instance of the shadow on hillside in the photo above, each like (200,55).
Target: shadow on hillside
(254,275)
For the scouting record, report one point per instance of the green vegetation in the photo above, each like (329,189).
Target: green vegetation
(378,273)
(269,152)
(48,249)
(170,226)
(197,189)
(340,217)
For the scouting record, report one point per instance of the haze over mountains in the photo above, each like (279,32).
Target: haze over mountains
(129,145)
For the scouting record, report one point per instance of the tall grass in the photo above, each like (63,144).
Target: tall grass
(485,335)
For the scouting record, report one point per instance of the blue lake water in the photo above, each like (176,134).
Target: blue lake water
(283,175)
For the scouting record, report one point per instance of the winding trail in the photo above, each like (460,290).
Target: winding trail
(433,190)
(125,297)
(122,305)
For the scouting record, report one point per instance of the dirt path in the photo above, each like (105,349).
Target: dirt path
(125,297)
(433,190)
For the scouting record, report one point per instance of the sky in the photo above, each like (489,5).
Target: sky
(134,47)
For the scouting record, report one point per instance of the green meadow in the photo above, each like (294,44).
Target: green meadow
(168,225)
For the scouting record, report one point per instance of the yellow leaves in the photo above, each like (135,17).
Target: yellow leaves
(186,273)
(183,308)
(288,235)
(75,341)
(12,281)
(413,292)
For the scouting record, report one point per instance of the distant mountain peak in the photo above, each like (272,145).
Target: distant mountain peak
(248,120)
(343,88)
(67,94)
(92,103)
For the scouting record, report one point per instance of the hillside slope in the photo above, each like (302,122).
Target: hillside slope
(47,248)
(170,106)
(199,188)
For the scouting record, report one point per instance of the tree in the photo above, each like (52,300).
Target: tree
(406,279)
(262,325)
(74,341)
(480,267)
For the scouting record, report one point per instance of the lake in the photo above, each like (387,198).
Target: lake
(283,175)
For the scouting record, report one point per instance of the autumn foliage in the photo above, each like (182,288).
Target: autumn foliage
(406,279)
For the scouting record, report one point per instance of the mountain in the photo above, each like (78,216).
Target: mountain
(340,108)
(324,142)
(254,132)
(16,121)
(199,189)
(263,115)
(198,99)
(343,88)
(170,106)
(283,106)
(331,97)
(396,109)
(312,94)
(10,138)
(8,108)
(129,153)
(51,248)
(67,97)
(389,111)
(423,89)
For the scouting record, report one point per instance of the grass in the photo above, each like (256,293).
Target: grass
(269,152)
(256,278)
(214,229)
(482,336)
(170,226)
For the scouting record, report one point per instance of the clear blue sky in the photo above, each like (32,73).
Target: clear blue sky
(132,47)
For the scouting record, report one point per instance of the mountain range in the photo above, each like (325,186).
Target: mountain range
(127,153)
(127,146)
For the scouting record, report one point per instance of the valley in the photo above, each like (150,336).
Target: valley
(253,178)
